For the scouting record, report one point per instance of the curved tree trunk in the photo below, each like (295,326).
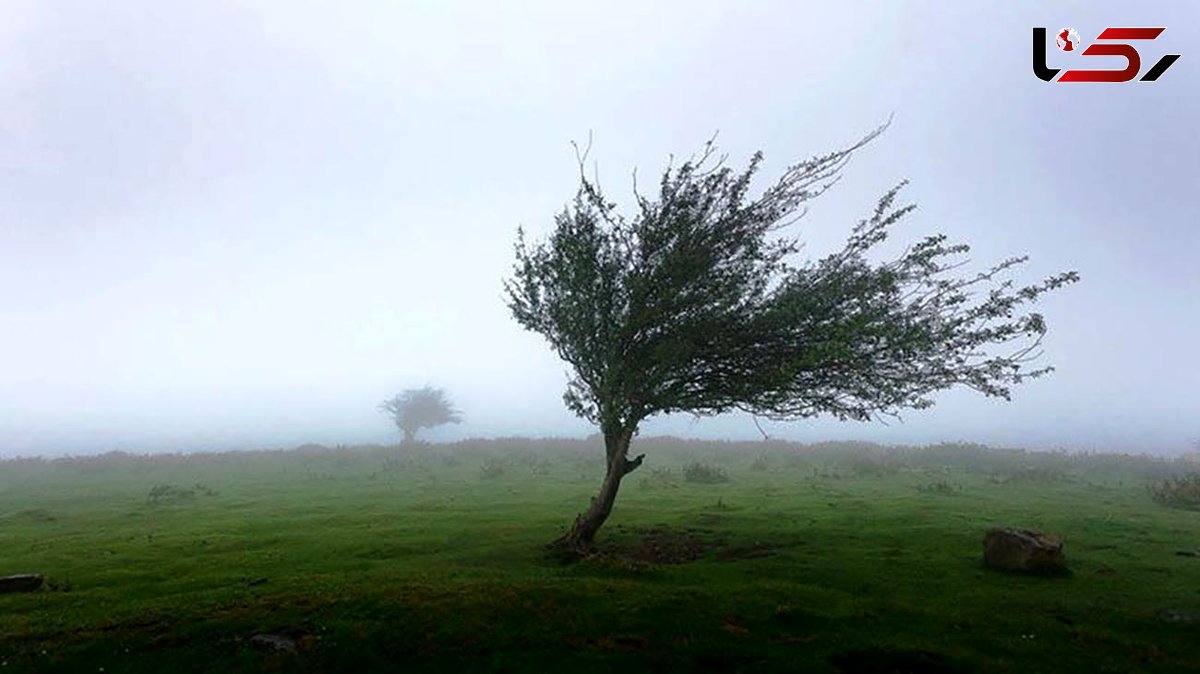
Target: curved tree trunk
(410,434)
(578,540)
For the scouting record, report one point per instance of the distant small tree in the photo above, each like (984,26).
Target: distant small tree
(417,408)
(698,304)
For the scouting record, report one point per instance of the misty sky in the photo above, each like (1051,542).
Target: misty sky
(242,224)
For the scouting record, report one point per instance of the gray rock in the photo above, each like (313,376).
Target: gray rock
(1024,551)
(25,582)
(1173,616)
(273,642)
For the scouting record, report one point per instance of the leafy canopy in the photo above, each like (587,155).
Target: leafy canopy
(417,408)
(698,304)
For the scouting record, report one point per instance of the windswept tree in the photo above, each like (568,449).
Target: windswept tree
(697,303)
(417,408)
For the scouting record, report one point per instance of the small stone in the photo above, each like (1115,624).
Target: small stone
(25,582)
(273,642)
(1173,616)
(1188,553)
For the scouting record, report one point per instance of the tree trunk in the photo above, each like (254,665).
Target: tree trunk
(578,541)
(409,435)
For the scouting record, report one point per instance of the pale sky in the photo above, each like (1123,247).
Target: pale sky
(242,224)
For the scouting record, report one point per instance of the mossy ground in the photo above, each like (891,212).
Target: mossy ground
(431,559)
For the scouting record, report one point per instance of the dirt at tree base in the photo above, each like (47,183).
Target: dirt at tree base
(669,545)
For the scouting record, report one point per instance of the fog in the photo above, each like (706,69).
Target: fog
(243,224)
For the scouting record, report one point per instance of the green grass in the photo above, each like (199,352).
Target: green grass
(430,559)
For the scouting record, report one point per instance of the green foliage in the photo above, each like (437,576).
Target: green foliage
(493,467)
(943,487)
(417,408)
(1179,491)
(1031,473)
(161,494)
(704,473)
(697,303)
(660,477)
(873,466)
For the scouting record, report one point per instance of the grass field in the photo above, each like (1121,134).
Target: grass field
(807,558)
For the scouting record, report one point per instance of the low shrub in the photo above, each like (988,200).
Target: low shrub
(492,468)
(704,473)
(1037,474)
(168,493)
(942,487)
(1180,491)
(659,477)
(161,494)
(872,467)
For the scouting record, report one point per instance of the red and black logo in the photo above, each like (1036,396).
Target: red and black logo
(1068,41)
